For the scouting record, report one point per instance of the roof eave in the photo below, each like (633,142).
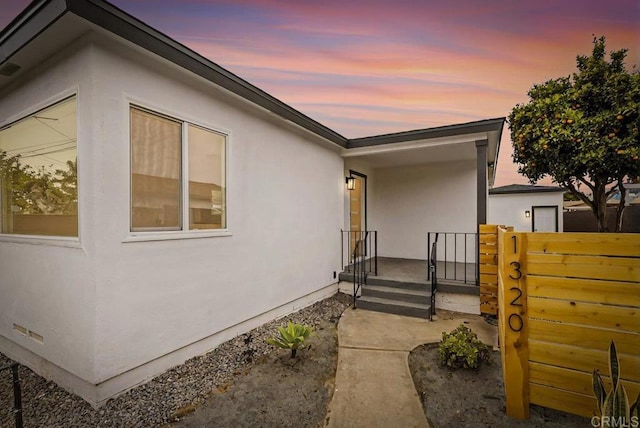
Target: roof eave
(41,14)
(33,20)
(487,125)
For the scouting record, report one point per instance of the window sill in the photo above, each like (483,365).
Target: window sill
(174,235)
(54,241)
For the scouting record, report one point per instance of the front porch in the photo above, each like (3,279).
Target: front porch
(404,287)
(401,192)
(452,276)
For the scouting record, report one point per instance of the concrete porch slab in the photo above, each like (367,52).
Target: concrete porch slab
(374,330)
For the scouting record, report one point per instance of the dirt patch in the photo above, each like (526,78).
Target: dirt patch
(469,398)
(277,390)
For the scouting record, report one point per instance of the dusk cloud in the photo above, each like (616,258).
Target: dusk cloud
(373,66)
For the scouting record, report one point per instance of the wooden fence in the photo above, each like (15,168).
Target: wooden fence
(562,298)
(488,266)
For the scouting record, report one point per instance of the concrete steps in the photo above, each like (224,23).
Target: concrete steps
(397,307)
(395,297)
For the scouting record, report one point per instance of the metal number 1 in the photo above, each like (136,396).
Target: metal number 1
(515,247)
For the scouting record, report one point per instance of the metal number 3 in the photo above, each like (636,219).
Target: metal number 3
(516,268)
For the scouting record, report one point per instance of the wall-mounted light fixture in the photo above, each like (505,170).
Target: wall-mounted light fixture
(351,183)
(527,213)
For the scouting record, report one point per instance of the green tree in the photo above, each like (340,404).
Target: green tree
(582,130)
(40,191)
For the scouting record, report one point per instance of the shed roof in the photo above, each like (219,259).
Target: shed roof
(523,188)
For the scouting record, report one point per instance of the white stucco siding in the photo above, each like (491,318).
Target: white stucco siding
(285,211)
(509,209)
(413,200)
(47,285)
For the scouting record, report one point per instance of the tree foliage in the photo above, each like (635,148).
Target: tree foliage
(38,191)
(582,130)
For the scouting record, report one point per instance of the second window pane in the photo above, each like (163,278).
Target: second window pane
(207,207)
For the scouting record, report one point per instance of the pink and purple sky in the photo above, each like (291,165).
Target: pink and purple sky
(365,67)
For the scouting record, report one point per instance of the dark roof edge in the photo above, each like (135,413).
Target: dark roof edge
(130,28)
(497,191)
(40,14)
(495,161)
(485,125)
(29,23)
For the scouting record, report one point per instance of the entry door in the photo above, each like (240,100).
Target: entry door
(545,219)
(356,214)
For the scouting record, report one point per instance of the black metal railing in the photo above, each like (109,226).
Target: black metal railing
(364,243)
(432,270)
(456,259)
(359,269)
(17,393)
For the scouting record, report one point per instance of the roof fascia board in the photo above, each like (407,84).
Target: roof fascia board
(494,167)
(412,144)
(429,133)
(124,25)
(36,18)
(39,15)
(511,192)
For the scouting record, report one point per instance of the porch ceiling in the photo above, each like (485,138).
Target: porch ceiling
(417,152)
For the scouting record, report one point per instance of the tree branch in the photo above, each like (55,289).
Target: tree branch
(579,194)
(586,183)
(621,205)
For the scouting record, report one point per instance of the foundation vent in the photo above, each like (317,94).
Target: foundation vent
(28,333)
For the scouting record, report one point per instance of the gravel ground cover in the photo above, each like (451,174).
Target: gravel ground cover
(167,397)
(469,398)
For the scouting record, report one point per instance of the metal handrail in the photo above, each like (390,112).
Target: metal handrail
(17,393)
(358,279)
(433,270)
(366,240)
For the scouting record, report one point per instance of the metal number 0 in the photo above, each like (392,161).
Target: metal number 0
(519,323)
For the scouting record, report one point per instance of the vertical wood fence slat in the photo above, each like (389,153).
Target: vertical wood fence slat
(488,266)
(513,318)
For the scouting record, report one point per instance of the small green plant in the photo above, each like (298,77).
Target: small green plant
(292,337)
(462,349)
(614,405)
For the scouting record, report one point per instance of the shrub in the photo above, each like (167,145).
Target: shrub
(292,337)
(462,349)
(614,404)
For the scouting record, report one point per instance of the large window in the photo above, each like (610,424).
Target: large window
(178,174)
(38,173)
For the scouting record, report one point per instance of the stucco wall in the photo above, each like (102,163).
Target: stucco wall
(285,210)
(413,200)
(48,285)
(108,305)
(509,209)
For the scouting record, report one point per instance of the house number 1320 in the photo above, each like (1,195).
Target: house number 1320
(515,321)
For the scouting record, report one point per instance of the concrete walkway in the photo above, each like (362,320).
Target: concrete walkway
(373,386)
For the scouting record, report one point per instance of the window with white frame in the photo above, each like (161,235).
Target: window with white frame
(39,174)
(178,174)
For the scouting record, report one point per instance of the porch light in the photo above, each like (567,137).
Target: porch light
(527,213)
(351,183)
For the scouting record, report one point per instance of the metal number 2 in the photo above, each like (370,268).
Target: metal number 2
(515,302)
(516,268)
